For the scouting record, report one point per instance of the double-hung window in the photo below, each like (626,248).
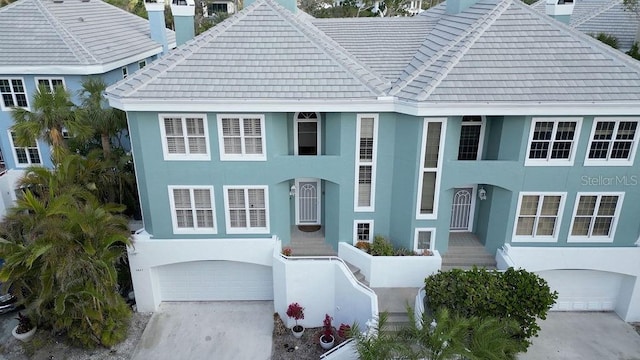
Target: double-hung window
(595,216)
(241,137)
(247,209)
(553,141)
(366,142)
(13,93)
(49,83)
(539,217)
(192,209)
(185,137)
(431,162)
(25,155)
(613,141)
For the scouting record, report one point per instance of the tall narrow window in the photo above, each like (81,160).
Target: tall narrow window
(192,209)
(241,137)
(3,166)
(613,142)
(125,72)
(247,209)
(13,93)
(27,155)
(539,216)
(595,217)
(365,162)
(431,159)
(552,141)
(184,137)
(307,134)
(470,133)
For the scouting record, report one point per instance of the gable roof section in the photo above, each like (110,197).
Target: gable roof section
(513,54)
(72,33)
(263,52)
(602,16)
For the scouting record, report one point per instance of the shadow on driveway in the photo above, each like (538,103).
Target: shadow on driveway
(208,330)
(584,336)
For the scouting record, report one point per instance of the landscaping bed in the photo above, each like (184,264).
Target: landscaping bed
(286,347)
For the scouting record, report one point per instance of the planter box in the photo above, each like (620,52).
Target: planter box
(391,271)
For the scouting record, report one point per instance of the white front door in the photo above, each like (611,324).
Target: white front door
(308,201)
(462,209)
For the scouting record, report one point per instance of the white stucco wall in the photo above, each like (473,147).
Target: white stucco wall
(8,181)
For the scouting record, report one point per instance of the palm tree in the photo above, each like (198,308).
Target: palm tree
(377,343)
(52,112)
(94,111)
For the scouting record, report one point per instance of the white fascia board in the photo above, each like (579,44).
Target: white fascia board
(382,104)
(78,69)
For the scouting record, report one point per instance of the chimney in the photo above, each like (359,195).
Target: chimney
(458,6)
(291,5)
(560,10)
(183,17)
(155,11)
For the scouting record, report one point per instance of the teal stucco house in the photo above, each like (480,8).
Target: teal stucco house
(61,43)
(483,120)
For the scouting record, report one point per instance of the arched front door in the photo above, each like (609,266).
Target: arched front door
(462,209)
(308,201)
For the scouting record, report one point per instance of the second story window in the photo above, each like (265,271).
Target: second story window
(431,161)
(365,162)
(13,93)
(50,84)
(142,63)
(241,137)
(184,137)
(25,155)
(553,141)
(125,72)
(613,142)
(539,216)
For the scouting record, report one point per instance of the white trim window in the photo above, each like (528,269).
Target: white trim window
(595,217)
(613,142)
(13,92)
(366,154)
(431,163)
(192,209)
(247,209)
(142,64)
(49,83)
(307,133)
(539,217)
(553,141)
(424,239)
(184,137)
(241,137)
(362,231)
(125,72)
(27,155)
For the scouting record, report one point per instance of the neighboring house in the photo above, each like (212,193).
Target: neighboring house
(211,8)
(60,43)
(488,120)
(597,16)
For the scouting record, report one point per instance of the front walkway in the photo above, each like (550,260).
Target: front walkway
(224,330)
(584,336)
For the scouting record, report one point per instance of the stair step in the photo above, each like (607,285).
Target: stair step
(464,267)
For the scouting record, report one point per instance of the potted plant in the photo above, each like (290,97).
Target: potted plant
(344,332)
(327,339)
(25,330)
(296,312)
(287,251)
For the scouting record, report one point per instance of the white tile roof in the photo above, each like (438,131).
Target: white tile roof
(71,33)
(602,16)
(495,52)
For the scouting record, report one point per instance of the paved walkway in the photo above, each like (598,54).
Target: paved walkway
(208,330)
(584,336)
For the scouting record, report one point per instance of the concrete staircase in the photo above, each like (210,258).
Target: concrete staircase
(465,251)
(394,302)
(309,244)
(356,272)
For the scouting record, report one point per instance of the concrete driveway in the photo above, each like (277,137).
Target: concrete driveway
(208,330)
(584,336)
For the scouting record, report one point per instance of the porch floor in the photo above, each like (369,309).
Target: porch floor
(465,251)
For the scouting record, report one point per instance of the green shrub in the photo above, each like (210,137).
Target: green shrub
(607,39)
(513,294)
(381,247)
(634,52)
(403,252)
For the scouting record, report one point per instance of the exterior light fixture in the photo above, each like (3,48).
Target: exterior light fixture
(292,191)
(482,193)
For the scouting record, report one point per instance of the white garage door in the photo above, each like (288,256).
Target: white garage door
(215,280)
(584,290)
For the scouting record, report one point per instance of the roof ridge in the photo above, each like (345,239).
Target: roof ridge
(481,24)
(334,50)
(66,36)
(195,43)
(589,16)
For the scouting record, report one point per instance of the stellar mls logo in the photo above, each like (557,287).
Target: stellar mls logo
(622,180)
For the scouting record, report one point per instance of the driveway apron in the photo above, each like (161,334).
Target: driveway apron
(208,330)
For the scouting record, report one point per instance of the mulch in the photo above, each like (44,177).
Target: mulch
(286,347)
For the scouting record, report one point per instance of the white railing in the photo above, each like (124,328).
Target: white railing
(345,351)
